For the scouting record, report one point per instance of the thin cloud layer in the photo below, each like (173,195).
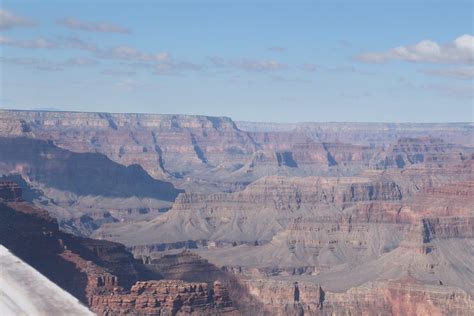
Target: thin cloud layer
(125,52)
(248,64)
(104,27)
(48,65)
(9,20)
(168,68)
(461,50)
(254,65)
(122,52)
(45,43)
(32,63)
(80,62)
(34,43)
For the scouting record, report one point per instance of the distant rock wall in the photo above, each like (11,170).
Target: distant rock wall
(180,146)
(403,297)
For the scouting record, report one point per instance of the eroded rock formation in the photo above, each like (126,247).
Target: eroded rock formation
(101,274)
(302,219)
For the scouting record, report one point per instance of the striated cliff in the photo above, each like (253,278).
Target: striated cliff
(164,145)
(368,133)
(166,298)
(302,219)
(101,274)
(255,214)
(397,297)
(202,153)
(82,190)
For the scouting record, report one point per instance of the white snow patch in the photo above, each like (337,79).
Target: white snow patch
(25,291)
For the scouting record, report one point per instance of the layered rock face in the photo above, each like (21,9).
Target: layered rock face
(200,152)
(235,218)
(368,133)
(84,189)
(101,274)
(430,151)
(285,298)
(401,297)
(305,219)
(166,298)
(183,266)
(82,174)
(161,144)
(347,236)
(76,160)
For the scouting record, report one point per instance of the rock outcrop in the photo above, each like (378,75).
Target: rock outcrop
(101,274)
(165,297)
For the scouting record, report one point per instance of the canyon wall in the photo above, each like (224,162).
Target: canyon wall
(101,274)
(257,219)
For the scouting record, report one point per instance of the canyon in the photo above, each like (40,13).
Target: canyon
(149,214)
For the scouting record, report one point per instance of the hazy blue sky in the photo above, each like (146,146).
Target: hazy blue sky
(281,61)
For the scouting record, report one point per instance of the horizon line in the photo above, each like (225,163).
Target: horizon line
(236,121)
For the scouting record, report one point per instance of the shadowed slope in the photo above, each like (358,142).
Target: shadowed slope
(80,173)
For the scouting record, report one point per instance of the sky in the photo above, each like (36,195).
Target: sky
(272,61)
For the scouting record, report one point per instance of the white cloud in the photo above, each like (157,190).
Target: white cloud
(466,73)
(123,52)
(461,50)
(10,20)
(258,65)
(80,62)
(48,65)
(32,63)
(346,69)
(168,68)
(45,43)
(73,23)
(75,43)
(247,64)
(129,53)
(34,43)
